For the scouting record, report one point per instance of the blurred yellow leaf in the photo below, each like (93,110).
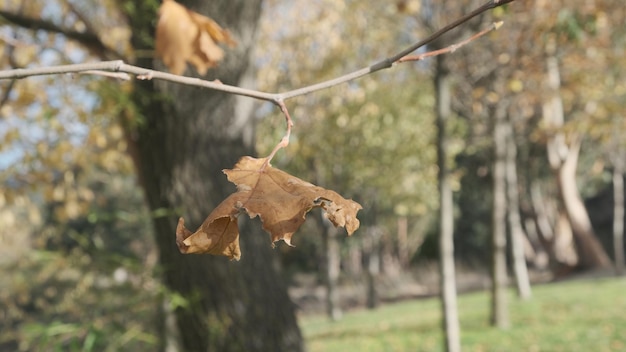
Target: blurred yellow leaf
(516,85)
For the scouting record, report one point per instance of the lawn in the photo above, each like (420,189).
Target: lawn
(568,316)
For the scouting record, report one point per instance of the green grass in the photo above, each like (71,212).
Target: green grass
(570,316)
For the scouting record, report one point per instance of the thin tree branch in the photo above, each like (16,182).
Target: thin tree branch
(79,14)
(390,61)
(89,39)
(452,48)
(141,73)
(119,66)
(278,98)
(119,75)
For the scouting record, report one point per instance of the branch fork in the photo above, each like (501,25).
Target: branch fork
(110,68)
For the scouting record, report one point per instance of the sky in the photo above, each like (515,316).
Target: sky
(61,101)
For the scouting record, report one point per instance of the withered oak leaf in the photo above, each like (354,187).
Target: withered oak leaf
(278,198)
(185,36)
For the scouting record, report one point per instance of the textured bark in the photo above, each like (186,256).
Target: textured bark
(499,309)
(515,223)
(452,330)
(185,138)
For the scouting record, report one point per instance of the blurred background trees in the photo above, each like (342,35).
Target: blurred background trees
(83,269)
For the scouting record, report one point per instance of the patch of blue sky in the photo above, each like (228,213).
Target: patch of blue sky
(64,102)
(64,98)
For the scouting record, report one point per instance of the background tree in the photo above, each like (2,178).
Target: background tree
(447,275)
(499,279)
(517,233)
(183,144)
(618,213)
(576,31)
(571,35)
(181,139)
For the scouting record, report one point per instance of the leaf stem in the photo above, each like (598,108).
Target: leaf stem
(284,142)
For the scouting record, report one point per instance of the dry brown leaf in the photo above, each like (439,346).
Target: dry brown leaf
(278,198)
(185,36)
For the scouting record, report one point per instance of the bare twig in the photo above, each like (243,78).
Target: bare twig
(88,39)
(118,75)
(388,62)
(453,47)
(118,66)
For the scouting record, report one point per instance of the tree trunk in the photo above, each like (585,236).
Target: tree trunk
(515,222)
(184,138)
(371,249)
(389,263)
(332,262)
(534,249)
(563,160)
(354,262)
(590,252)
(403,243)
(452,330)
(499,309)
(618,213)
(543,216)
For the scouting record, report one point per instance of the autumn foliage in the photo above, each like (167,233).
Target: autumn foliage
(278,198)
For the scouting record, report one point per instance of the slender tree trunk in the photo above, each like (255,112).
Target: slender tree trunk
(515,223)
(332,263)
(563,160)
(354,262)
(390,265)
(371,249)
(534,249)
(403,243)
(618,213)
(499,309)
(184,138)
(542,215)
(452,330)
